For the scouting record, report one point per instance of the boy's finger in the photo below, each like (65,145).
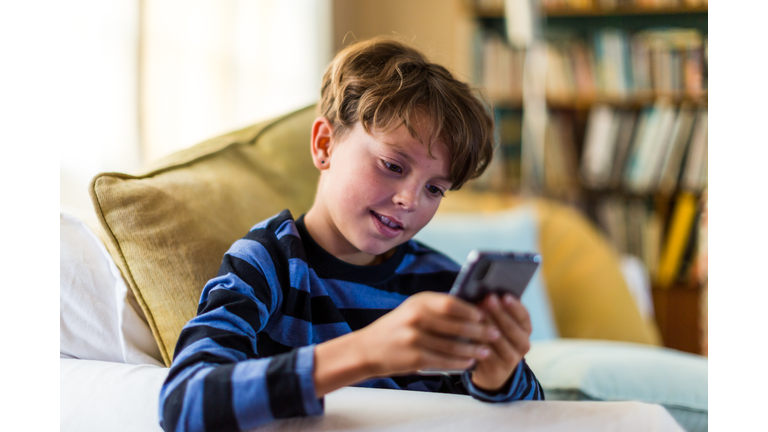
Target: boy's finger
(435,361)
(480,331)
(452,306)
(462,350)
(513,331)
(518,311)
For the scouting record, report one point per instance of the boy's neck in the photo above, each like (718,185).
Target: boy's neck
(319,227)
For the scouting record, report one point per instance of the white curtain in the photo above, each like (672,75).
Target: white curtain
(211,66)
(155,76)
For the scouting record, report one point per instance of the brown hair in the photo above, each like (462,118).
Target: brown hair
(383,82)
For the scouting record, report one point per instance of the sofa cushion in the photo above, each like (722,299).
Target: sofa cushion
(514,230)
(620,371)
(169,227)
(589,295)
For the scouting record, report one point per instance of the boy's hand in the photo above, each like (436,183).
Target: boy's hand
(422,333)
(511,317)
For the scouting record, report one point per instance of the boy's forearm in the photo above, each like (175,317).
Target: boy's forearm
(338,363)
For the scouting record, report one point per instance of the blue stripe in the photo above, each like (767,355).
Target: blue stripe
(515,389)
(305,366)
(263,224)
(250,397)
(430,263)
(191,418)
(326,332)
(420,386)
(530,394)
(232,282)
(295,332)
(383,383)
(256,255)
(169,387)
(210,346)
(285,228)
(300,274)
(289,331)
(350,295)
(223,319)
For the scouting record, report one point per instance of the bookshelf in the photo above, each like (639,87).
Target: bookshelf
(626,133)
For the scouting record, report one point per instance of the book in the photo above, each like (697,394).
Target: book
(677,239)
(653,155)
(678,144)
(624,139)
(599,146)
(695,173)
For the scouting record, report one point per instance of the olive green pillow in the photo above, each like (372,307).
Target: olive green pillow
(168,228)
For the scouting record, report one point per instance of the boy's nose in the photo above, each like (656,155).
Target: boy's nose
(407,198)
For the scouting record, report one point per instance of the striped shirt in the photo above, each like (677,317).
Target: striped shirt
(248,356)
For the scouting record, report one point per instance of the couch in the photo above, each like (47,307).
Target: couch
(132,272)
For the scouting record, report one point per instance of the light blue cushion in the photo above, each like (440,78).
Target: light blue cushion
(515,230)
(573,369)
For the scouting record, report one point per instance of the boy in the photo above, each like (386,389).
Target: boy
(342,295)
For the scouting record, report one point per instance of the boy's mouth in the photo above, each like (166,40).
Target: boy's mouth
(386,221)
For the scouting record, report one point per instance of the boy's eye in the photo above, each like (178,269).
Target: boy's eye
(434,190)
(393,167)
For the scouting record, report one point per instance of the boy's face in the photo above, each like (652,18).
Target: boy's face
(377,191)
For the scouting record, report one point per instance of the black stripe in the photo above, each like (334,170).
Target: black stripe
(235,303)
(275,223)
(173,405)
(325,311)
(225,338)
(402,381)
(413,283)
(315,310)
(198,357)
(279,257)
(250,275)
(267,347)
(285,399)
(218,409)
(540,390)
(359,318)
(293,246)
(528,383)
(451,384)
(296,304)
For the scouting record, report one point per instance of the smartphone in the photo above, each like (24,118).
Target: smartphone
(491,272)
(494,272)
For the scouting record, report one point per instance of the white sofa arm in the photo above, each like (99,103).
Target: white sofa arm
(103,396)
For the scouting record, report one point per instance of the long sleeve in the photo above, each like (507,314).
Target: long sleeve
(522,385)
(218,381)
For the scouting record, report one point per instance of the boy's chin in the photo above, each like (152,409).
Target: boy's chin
(383,248)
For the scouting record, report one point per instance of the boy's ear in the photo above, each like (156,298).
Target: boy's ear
(322,136)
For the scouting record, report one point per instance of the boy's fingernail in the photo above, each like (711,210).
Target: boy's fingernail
(483,352)
(508,299)
(494,334)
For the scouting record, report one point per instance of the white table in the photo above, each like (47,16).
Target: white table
(101,396)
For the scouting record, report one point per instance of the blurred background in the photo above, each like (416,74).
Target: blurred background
(600,104)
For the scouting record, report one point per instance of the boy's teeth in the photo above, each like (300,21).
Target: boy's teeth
(385,220)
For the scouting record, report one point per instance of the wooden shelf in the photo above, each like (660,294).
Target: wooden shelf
(619,11)
(678,315)
(498,12)
(584,103)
